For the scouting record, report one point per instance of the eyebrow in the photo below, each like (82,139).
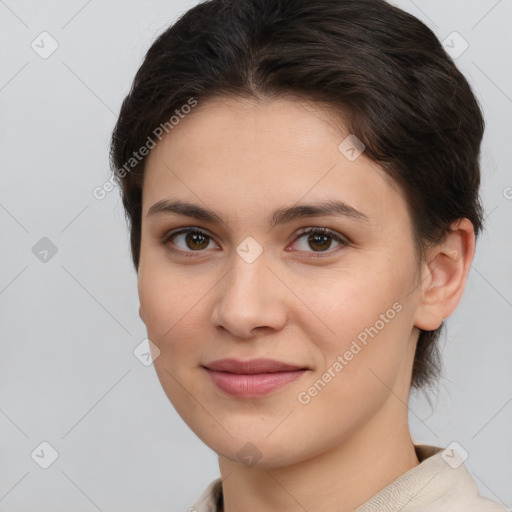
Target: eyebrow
(279,216)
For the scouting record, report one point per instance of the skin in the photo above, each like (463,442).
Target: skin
(243,159)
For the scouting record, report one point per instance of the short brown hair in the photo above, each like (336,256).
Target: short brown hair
(399,92)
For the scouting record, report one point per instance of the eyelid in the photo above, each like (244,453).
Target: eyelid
(324,231)
(185,229)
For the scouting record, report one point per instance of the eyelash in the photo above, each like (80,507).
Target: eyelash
(302,233)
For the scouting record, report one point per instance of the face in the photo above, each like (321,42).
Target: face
(246,283)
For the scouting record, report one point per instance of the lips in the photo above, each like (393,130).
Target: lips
(254,378)
(252,366)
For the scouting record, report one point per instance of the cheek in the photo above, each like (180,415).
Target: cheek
(369,316)
(171,304)
(354,302)
(175,322)
(361,360)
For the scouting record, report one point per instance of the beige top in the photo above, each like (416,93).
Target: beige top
(440,483)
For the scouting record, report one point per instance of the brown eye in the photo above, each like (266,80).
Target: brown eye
(187,240)
(319,239)
(196,240)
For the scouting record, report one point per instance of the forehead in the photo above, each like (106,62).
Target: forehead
(249,153)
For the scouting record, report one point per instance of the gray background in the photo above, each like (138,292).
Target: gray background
(70,324)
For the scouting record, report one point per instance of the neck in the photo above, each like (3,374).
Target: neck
(341,478)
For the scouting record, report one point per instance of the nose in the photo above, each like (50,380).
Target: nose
(249,298)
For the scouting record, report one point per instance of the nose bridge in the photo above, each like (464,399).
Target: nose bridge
(246,298)
(248,274)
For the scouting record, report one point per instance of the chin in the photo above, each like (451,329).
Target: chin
(258,450)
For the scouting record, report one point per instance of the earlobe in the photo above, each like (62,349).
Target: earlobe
(444,274)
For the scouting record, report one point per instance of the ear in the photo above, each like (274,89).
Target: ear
(444,275)
(141,315)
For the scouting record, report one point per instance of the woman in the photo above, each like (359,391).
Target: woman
(301,182)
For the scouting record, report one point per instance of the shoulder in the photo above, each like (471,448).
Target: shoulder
(440,483)
(208,500)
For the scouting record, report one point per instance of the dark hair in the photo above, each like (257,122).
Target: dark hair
(382,70)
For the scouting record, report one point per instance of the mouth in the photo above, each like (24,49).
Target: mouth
(253,378)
